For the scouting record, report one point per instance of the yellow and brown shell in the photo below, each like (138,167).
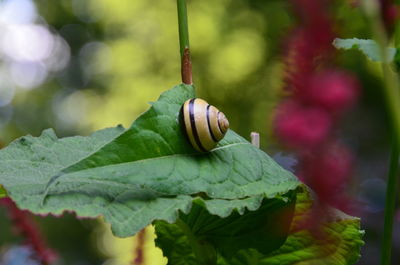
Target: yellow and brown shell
(203,124)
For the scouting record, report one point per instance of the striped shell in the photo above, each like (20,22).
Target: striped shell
(203,124)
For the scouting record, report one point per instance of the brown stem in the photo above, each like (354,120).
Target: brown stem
(27,228)
(141,238)
(186,67)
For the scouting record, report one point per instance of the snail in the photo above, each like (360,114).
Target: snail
(203,124)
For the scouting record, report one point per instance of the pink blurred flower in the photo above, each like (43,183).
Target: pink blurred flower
(318,93)
(332,90)
(328,169)
(300,126)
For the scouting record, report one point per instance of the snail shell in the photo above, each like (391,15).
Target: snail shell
(203,124)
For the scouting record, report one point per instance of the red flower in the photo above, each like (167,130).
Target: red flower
(329,168)
(318,94)
(299,126)
(332,90)
(326,171)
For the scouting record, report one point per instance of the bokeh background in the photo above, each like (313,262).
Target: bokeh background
(79,66)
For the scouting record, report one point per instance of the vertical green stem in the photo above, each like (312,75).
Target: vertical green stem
(183,26)
(392,99)
(392,95)
(390,205)
(186,64)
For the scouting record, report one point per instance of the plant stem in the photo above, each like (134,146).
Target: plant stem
(25,226)
(392,99)
(392,86)
(186,64)
(390,206)
(392,95)
(183,26)
(203,251)
(141,240)
(255,139)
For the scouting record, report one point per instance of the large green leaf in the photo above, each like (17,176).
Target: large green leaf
(145,173)
(369,47)
(333,239)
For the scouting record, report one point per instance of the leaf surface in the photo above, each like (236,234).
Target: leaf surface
(335,240)
(368,47)
(263,229)
(145,173)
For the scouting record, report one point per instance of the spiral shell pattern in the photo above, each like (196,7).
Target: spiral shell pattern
(203,124)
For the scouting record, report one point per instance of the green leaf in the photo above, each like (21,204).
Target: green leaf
(3,192)
(264,229)
(334,241)
(145,173)
(369,47)
(175,244)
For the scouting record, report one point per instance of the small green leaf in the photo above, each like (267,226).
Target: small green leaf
(369,47)
(3,192)
(337,241)
(145,173)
